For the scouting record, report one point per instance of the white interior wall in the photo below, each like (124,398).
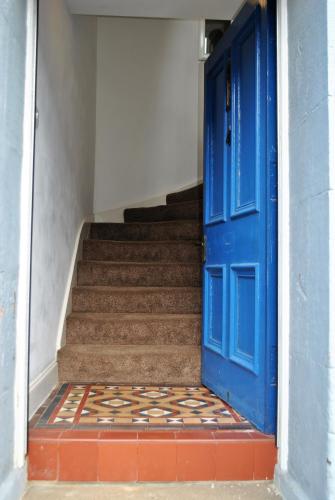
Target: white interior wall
(64,173)
(147,110)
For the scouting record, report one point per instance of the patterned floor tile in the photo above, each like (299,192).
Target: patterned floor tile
(108,407)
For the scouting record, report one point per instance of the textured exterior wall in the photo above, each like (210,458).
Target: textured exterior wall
(147,109)
(12,78)
(64,165)
(310,458)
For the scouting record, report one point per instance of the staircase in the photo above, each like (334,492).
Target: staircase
(136,315)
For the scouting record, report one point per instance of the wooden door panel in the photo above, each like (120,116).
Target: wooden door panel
(239,320)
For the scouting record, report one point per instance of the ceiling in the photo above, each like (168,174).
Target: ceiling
(175,9)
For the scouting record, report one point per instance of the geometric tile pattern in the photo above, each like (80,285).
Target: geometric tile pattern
(108,406)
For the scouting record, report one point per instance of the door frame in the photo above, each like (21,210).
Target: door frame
(283,234)
(21,375)
(21,382)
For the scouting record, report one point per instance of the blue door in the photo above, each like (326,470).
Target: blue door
(239,349)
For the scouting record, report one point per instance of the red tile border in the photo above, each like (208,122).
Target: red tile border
(195,435)
(234,460)
(118,461)
(156,435)
(43,461)
(157,461)
(78,461)
(259,435)
(196,462)
(80,435)
(232,435)
(44,434)
(118,435)
(265,459)
(204,455)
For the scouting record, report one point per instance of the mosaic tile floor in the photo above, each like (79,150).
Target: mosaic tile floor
(92,406)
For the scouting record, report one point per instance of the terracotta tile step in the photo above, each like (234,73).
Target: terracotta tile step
(150,456)
(170,300)
(194,193)
(133,329)
(129,365)
(175,230)
(139,274)
(142,251)
(177,211)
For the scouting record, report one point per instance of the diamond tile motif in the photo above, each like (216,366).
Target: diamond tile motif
(109,406)
(117,402)
(155,412)
(153,394)
(192,403)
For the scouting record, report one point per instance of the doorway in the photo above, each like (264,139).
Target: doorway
(209,435)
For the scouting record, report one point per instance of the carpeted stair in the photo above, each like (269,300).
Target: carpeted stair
(136,309)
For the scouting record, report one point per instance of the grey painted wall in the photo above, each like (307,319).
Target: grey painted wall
(64,166)
(310,463)
(12,77)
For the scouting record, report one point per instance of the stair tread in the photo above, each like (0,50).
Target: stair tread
(133,328)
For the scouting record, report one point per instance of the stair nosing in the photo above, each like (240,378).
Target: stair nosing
(135,288)
(164,222)
(147,242)
(138,263)
(134,346)
(131,315)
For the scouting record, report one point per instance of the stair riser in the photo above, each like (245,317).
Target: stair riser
(195,193)
(134,275)
(155,368)
(141,252)
(141,231)
(164,213)
(158,301)
(134,331)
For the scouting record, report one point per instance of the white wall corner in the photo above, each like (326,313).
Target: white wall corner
(82,234)
(40,388)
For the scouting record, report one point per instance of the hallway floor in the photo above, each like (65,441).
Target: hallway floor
(182,491)
(101,406)
(103,433)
